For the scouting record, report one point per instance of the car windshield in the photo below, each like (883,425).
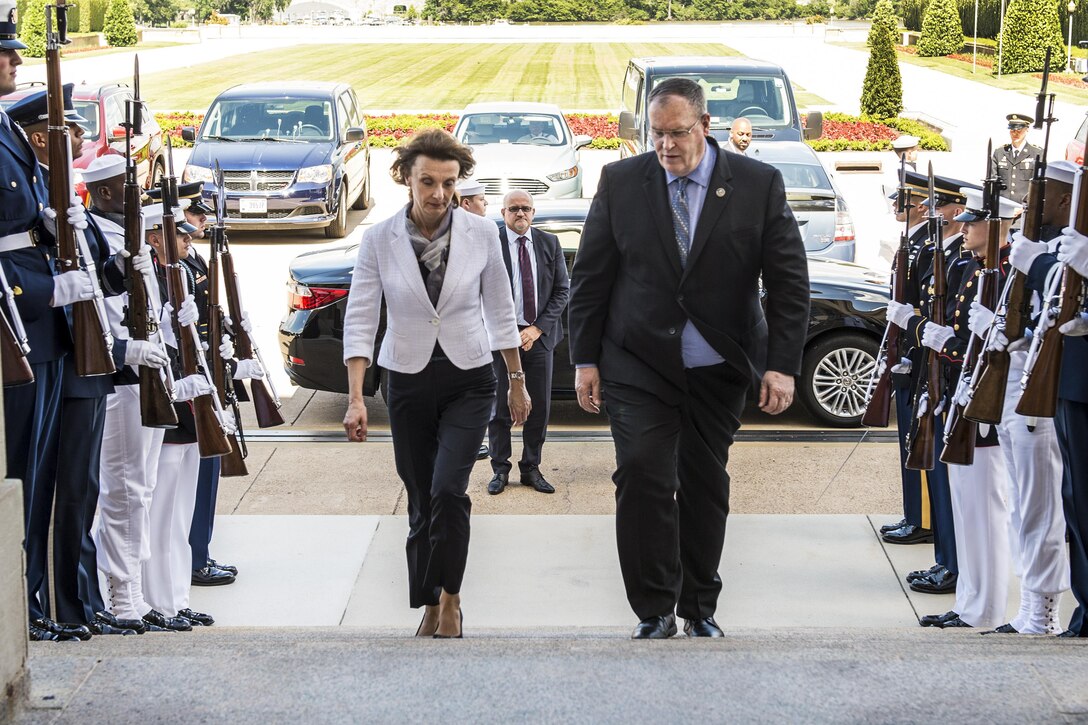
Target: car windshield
(535,129)
(89,110)
(298,119)
(803,176)
(759,98)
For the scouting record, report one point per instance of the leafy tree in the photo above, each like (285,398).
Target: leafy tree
(204,9)
(882,92)
(941,30)
(84,15)
(155,12)
(1030,27)
(32,29)
(120,26)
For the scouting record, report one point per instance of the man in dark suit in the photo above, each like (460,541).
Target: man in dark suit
(667,329)
(538,276)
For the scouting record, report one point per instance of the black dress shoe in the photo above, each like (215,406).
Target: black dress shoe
(73,631)
(225,567)
(107,619)
(942,582)
(162,622)
(534,479)
(656,627)
(1003,629)
(498,483)
(706,627)
(1068,634)
(937,620)
(197,619)
(909,534)
(892,527)
(212,576)
(40,634)
(100,628)
(922,573)
(482,453)
(954,623)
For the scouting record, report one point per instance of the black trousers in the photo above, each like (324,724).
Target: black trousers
(672,489)
(537,364)
(912,480)
(1072,424)
(438,417)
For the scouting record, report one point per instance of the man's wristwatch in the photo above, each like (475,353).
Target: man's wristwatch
(517,375)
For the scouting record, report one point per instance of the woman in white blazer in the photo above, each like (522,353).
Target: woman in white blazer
(448,306)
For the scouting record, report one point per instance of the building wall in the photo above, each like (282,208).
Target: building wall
(13,641)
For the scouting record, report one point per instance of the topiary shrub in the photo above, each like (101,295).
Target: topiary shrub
(941,30)
(882,92)
(120,26)
(32,29)
(1030,26)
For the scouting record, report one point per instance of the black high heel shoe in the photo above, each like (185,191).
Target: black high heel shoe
(461,629)
(421,623)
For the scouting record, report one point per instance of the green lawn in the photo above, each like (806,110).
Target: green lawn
(103,51)
(429,76)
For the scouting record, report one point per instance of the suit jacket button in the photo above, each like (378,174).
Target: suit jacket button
(434,321)
(13,185)
(680,298)
(672,330)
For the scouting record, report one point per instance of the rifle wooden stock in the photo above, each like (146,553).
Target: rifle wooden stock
(16,370)
(922,444)
(878,412)
(1040,398)
(233,463)
(959,447)
(988,399)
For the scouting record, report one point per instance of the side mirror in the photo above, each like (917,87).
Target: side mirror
(582,140)
(814,125)
(628,129)
(117,133)
(354,134)
(188,133)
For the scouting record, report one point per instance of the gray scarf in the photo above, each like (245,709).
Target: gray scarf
(431,253)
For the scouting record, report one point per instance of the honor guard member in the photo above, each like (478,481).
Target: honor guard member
(33,412)
(1015,161)
(979,489)
(82,410)
(1071,419)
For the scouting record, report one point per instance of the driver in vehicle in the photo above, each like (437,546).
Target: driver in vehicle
(540,131)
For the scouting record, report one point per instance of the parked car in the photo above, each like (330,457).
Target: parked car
(822,215)
(734,87)
(295,155)
(104,108)
(845,324)
(1074,150)
(523,146)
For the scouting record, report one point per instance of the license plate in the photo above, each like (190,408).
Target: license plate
(253,206)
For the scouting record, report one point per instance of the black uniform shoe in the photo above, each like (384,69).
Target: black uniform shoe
(482,453)
(922,573)
(197,619)
(937,620)
(909,534)
(40,634)
(136,626)
(1068,634)
(162,622)
(706,627)
(1003,629)
(74,631)
(954,623)
(941,582)
(892,527)
(498,483)
(225,567)
(656,627)
(212,576)
(534,479)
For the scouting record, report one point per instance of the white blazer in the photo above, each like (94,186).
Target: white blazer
(475,311)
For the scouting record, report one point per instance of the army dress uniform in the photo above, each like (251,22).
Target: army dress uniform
(1016,166)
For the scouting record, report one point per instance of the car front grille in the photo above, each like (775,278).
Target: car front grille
(497,187)
(257,180)
(311,210)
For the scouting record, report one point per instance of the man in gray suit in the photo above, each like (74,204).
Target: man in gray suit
(541,286)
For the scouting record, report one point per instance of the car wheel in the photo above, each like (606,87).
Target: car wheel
(157,172)
(363,202)
(835,378)
(338,227)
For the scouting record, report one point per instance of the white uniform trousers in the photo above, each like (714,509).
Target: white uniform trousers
(1034,467)
(128,470)
(168,572)
(982,538)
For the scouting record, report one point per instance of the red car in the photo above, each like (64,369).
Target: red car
(104,108)
(1074,150)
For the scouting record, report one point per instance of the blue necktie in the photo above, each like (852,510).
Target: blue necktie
(681,219)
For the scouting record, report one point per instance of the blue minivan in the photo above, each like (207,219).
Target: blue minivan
(294,155)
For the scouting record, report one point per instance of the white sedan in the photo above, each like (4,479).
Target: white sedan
(523,146)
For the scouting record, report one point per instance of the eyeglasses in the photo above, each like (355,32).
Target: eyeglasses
(658,134)
(516,209)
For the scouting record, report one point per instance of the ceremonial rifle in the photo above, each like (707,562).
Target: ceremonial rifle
(210,436)
(879,395)
(90,331)
(987,396)
(14,345)
(922,443)
(141,314)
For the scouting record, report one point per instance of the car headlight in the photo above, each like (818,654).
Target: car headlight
(196,173)
(315,174)
(564,175)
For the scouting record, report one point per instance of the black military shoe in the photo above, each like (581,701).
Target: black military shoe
(534,479)
(937,620)
(942,582)
(498,483)
(909,534)
(954,623)
(923,573)
(225,567)
(211,576)
(1003,629)
(159,622)
(482,453)
(71,631)
(136,626)
(40,634)
(705,627)
(1067,634)
(197,619)
(656,627)
(892,527)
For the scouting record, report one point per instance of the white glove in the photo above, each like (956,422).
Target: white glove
(246,324)
(1074,250)
(226,348)
(979,319)
(74,286)
(935,337)
(246,327)
(248,370)
(903,367)
(166,327)
(1024,252)
(146,354)
(77,216)
(188,314)
(962,396)
(899,314)
(227,421)
(998,341)
(192,386)
(1077,327)
(141,263)
(923,405)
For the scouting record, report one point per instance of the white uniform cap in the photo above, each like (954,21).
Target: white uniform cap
(974,212)
(1063,171)
(105,167)
(153,218)
(905,142)
(470,187)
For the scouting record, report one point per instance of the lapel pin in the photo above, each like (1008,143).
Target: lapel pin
(719,192)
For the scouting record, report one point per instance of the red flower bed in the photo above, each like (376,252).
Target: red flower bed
(1065,80)
(858,131)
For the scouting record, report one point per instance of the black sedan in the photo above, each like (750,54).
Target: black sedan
(845,324)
